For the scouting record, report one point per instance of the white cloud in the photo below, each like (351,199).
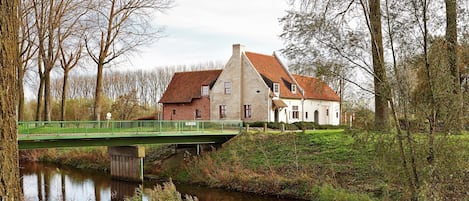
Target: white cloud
(204,30)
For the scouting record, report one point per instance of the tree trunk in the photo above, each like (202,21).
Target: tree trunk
(380,80)
(9,171)
(20,94)
(47,97)
(98,92)
(40,93)
(452,42)
(63,105)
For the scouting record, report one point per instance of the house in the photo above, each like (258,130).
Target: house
(257,87)
(187,95)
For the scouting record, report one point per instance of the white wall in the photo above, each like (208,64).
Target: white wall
(329,111)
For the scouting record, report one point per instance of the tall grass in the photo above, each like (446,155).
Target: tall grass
(165,192)
(330,165)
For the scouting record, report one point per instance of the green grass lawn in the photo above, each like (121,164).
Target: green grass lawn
(331,164)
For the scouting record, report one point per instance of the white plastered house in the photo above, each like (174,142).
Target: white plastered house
(257,87)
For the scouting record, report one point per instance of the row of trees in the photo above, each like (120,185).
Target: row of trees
(64,34)
(409,49)
(126,94)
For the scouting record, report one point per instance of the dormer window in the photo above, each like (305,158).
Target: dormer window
(204,90)
(276,88)
(293,88)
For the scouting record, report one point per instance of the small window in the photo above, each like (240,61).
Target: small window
(205,90)
(198,114)
(337,114)
(174,111)
(227,87)
(295,112)
(247,111)
(327,112)
(293,88)
(306,115)
(276,88)
(222,111)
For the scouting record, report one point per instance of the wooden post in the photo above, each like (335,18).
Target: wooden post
(247,127)
(265,127)
(282,127)
(127,162)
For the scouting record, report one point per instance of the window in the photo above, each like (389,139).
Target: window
(327,112)
(174,111)
(227,87)
(306,115)
(222,111)
(247,111)
(276,88)
(293,88)
(295,112)
(198,114)
(337,115)
(205,90)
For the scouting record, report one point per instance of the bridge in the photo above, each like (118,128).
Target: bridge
(123,138)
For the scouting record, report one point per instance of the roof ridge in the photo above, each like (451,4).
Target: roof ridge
(198,71)
(259,53)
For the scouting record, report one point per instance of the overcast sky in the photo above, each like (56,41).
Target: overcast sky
(204,30)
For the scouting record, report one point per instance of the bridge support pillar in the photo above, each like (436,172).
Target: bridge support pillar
(127,162)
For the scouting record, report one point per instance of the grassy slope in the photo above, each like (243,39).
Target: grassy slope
(326,165)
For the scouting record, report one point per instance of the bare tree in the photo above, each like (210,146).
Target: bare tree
(9,61)
(118,28)
(70,45)
(27,50)
(317,29)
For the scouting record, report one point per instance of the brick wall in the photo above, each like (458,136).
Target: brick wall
(186,111)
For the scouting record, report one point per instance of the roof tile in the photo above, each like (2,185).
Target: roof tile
(185,86)
(271,69)
(315,88)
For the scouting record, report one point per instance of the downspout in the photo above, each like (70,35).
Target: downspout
(241,97)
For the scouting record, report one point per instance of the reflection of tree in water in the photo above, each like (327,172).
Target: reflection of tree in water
(60,183)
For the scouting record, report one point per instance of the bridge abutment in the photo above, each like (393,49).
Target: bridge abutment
(127,162)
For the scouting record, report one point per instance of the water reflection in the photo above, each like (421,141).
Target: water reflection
(46,182)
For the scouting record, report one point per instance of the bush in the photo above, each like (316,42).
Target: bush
(327,192)
(303,125)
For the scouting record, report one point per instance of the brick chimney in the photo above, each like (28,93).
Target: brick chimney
(237,50)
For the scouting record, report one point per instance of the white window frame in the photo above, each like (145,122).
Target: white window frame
(227,87)
(204,90)
(276,88)
(247,111)
(295,112)
(293,88)
(222,111)
(198,114)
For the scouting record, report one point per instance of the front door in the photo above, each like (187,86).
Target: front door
(316,117)
(276,115)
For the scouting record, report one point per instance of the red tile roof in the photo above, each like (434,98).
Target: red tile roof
(316,89)
(185,86)
(271,69)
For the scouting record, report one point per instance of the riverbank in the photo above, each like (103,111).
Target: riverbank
(331,165)
(315,165)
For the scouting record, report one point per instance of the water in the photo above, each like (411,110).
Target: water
(47,182)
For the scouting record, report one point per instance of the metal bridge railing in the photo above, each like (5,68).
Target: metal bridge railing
(127,127)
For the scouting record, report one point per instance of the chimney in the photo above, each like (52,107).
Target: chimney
(238,49)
